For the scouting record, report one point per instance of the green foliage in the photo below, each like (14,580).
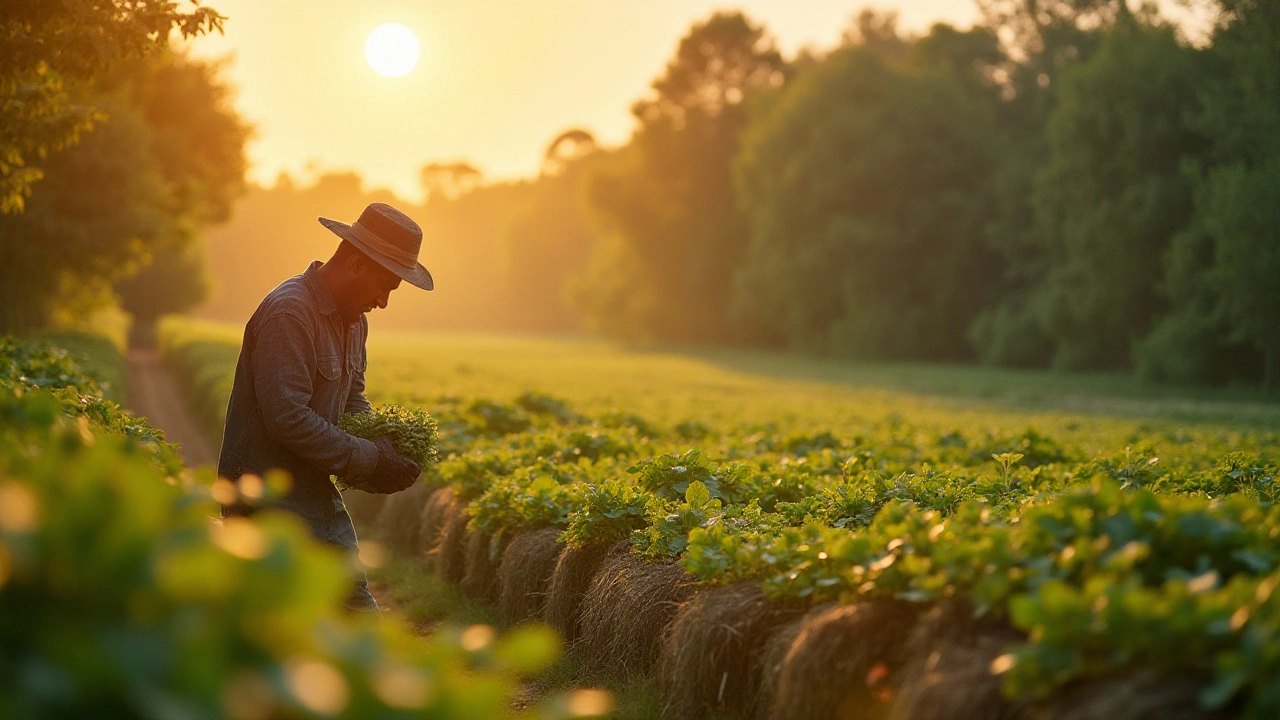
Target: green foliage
(198,142)
(69,243)
(864,182)
(1113,192)
(1151,225)
(606,513)
(174,281)
(203,357)
(540,404)
(40,365)
(471,473)
(1190,344)
(670,476)
(1033,448)
(119,598)
(170,160)
(525,500)
(1238,206)
(1075,528)
(97,352)
(27,366)
(496,418)
(42,45)
(1099,578)
(675,234)
(413,431)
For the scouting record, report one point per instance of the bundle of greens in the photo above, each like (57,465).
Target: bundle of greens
(414,435)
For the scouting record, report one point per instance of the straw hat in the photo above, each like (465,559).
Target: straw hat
(388,236)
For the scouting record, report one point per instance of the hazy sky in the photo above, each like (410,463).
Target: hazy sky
(497,80)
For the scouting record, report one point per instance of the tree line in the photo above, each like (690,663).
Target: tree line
(1069,184)
(115,151)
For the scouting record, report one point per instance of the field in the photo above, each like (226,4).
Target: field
(784,537)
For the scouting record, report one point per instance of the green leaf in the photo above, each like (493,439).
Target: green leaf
(697,495)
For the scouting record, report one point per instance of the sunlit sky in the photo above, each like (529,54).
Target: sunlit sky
(497,79)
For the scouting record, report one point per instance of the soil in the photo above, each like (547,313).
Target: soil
(154,394)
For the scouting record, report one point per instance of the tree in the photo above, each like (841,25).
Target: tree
(167,161)
(449,180)
(550,237)
(1240,212)
(197,141)
(98,202)
(174,281)
(865,182)
(1042,37)
(46,45)
(670,208)
(1040,40)
(1113,194)
(1236,234)
(567,147)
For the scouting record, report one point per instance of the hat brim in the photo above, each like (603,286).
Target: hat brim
(417,276)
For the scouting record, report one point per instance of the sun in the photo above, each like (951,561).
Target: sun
(391,50)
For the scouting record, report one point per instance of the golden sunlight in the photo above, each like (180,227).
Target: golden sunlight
(391,50)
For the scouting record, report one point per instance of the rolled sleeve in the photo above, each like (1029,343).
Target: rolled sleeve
(284,364)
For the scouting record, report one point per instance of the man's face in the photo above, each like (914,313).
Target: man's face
(370,287)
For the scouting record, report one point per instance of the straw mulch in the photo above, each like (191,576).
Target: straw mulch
(435,514)
(625,612)
(843,662)
(947,675)
(713,654)
(448,558)
(397,524)
(480,575)
(574,570)
(527,564)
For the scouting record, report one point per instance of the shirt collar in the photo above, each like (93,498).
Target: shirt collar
(319,289)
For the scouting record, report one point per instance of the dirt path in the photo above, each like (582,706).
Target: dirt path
(154,394)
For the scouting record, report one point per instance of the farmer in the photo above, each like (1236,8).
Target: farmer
(302,366)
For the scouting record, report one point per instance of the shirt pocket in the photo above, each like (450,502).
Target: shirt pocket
(330,368)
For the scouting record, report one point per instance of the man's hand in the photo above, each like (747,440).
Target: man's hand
(394,472)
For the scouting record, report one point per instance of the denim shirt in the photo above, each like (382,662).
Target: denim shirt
(301,367)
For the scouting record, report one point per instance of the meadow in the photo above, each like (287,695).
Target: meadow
(764,536)
(733,388)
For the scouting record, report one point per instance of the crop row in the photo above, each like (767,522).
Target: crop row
(907,569)
(1070,572)
(120,597)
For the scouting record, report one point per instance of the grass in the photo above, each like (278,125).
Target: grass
(787,394)
(733,382)
(424,601)
(423,368)
(774,393)
(1105,393)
